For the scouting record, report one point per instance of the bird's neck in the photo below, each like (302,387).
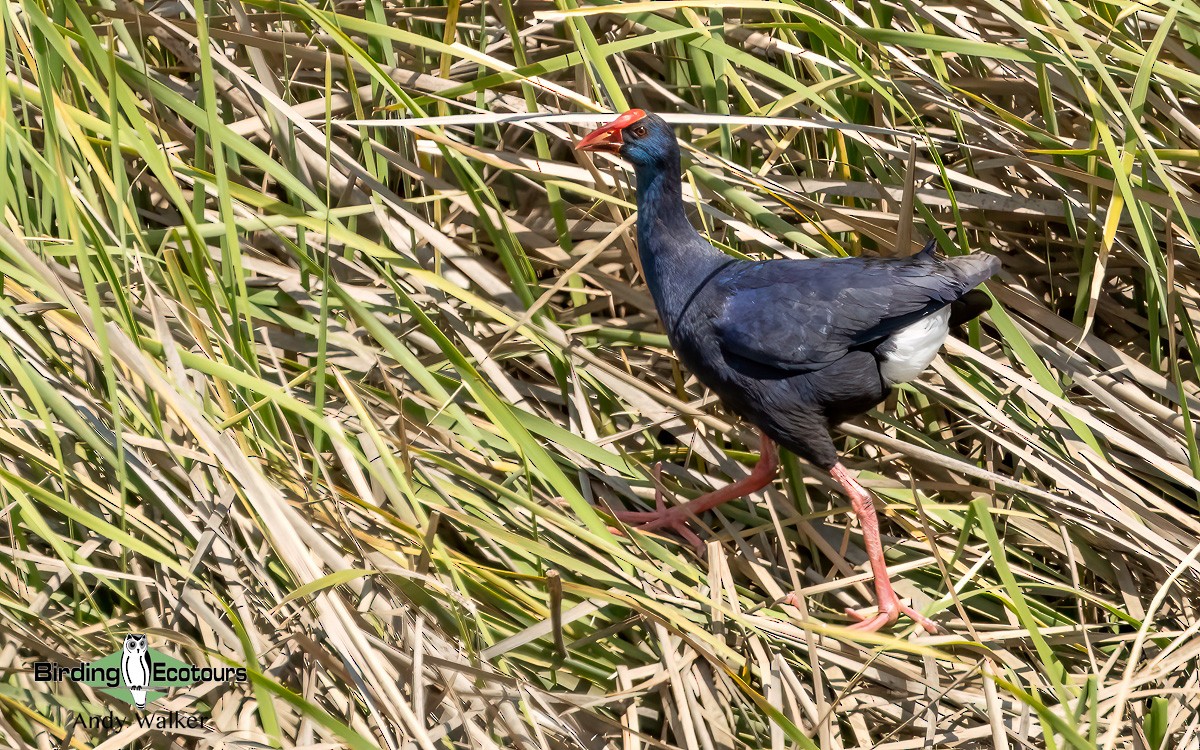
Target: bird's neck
(675,258)
(660,197)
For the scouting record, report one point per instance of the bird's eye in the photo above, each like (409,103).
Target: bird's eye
(639,130)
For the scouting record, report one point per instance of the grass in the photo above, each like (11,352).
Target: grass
(316,359)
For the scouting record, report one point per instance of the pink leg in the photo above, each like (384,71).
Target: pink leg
(890,607)
(677,518)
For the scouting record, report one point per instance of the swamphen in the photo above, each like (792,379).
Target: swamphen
(795,347)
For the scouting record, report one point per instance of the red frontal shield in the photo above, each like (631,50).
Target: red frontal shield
(608,138)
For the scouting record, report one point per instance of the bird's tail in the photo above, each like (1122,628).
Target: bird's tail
(969,307)
(930,249)
(974,269)
(981,263)
(139,698)
(971,270)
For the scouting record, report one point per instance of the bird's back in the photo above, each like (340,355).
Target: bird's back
(802,315)
(797,345)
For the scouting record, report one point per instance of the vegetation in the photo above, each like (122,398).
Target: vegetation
(321,353)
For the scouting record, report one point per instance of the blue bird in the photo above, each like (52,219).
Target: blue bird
(795,347)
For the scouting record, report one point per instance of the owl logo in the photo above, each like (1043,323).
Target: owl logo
(136,667)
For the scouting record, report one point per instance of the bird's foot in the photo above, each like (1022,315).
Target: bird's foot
(888,612)
(677,518)
(661,518)
(885,616)
(671,520)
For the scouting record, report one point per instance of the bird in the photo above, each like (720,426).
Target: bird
(136,667)
(793,346)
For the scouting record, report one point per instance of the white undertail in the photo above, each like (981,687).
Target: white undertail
(907,352)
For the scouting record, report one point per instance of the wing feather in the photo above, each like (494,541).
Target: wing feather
(802,315)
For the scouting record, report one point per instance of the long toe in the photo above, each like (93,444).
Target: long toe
(636,517)
(871,624)
(691,538)
(930,626)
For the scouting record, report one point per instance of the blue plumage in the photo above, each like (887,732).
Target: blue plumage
(793,346)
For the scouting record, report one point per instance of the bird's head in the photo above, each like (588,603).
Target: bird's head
(644,139)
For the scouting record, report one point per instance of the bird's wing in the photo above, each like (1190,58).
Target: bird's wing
(801,315)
